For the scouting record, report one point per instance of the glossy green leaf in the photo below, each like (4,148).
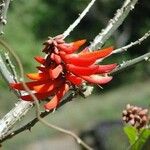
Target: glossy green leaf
(131,133)
(136,139)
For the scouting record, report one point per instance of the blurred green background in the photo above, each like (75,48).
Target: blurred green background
(31,22)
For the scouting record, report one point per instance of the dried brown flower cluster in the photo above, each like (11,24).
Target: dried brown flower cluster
(135,116)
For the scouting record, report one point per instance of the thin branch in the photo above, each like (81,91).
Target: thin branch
(20,109)
(31,123)
(3,16)
(77,21)
(131,63)
(113,24)
(122,49)
(11,66)
(5,72)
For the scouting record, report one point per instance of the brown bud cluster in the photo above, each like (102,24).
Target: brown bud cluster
(51,44)
(135,116)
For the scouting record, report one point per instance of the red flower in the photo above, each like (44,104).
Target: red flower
(63,68)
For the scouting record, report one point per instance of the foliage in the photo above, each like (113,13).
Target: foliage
(136,138)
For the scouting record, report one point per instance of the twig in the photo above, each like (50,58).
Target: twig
(20,109)
(31,123)
(11,66)
(131,63)
(77,21)
(5,72)
(113,24)
(144,37)
(3,17)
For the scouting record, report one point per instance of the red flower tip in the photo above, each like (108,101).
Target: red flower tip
(38,76)
(53,103)
(97,54)
(62,68)
(54,73)
(71,47)
(79,43)
(96,79)
(74,79)
(39,59)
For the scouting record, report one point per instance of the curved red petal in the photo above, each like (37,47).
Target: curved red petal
(54,73)
(43,69)
(105,68)
(47,87)
(38,76)
(19,86)
(57,59)
(39,59)
(53,103)
(82,70)
(97,54)
(39,96)
(74,79)
(96,79)
(76,60)
(71,47)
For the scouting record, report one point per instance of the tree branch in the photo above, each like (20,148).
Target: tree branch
(5,72)
(144,37)
(31,123)
(20,109)
(3,14)
(131,63)
(113,24)
(11,66)
(77,21)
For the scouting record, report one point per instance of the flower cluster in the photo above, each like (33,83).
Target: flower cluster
(135,116)
(62,68)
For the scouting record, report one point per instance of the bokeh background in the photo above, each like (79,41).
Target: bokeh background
(30,23)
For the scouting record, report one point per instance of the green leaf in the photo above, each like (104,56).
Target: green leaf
(142,138)
(136,139)
(131,133)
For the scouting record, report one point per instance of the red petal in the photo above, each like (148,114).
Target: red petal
(57,59)
(71,47)
(74,79)
(39,96)
(43,69)
(53,103)
(105,68)
(38,76)
(97,54)
(76,60)
(47,87)
(54,73)
(44,88)
(19,86)
(40,59)
(82,70)
(84,50)
(96,79)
